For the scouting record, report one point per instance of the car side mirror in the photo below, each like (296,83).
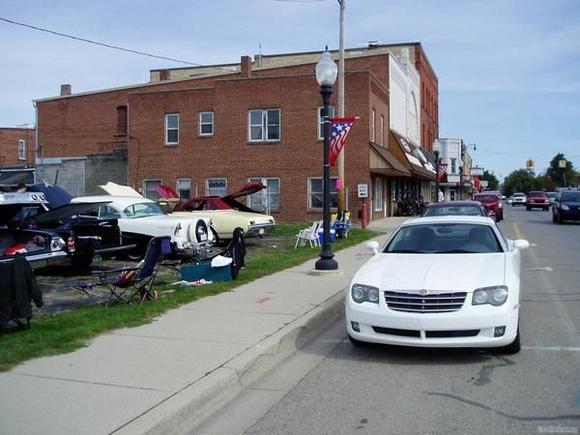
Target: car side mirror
(521,244)
(373,246)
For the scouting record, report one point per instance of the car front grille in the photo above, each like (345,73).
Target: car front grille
(430,303)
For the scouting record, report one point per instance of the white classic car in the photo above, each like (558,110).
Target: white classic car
(446,281)
(140,219)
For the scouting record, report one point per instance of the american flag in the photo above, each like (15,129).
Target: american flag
(340,128)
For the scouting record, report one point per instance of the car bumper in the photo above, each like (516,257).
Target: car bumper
(468,327)
(570,214)
(260,229)
(538,204)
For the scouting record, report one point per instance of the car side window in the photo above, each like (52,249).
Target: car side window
(107,212)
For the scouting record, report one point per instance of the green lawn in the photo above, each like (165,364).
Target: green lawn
(67,331)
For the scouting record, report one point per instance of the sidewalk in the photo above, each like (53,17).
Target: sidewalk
(164,376)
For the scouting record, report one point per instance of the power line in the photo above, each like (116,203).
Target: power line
(102,44)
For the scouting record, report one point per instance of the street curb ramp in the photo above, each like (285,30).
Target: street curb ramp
(186,408)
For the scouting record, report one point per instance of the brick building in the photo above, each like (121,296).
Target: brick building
(17,156)
(210,130)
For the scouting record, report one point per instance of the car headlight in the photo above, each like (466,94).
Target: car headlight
(565,207)
(496,295)
(364,293)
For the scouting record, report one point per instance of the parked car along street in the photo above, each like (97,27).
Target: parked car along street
(413,293)
(537,199)
(552,196)
(566,206)
(518,199)
(491,200)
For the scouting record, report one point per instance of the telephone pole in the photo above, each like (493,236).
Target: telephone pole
(341,183)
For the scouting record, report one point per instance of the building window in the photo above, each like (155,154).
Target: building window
(378,194)
(264,125)
(267,200)
(216,186)
(320,124)
(183,187)
(453,166)
(122,120)
(206,123)
(21,149)
(172,129)
(382,138)
(373,125)
(149,189)
(315,193)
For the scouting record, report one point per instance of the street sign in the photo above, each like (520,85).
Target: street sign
(363,190)
(562,163)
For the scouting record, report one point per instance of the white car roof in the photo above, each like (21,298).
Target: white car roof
(454,219)
(118,201)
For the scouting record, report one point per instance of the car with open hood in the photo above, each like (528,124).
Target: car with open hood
(40,247)
(446,281)
(140,219)
(225,212)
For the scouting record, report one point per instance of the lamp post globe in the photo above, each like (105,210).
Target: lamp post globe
(326,72)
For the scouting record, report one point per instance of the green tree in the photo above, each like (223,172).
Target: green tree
(521,180)
(492,181)
(562,176)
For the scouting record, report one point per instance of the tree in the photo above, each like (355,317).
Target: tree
(562,176)
(521,180)
(492,181)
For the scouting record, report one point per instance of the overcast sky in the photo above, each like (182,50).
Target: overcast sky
(509,70)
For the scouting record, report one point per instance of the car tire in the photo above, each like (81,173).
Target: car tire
(559,219)
(201,228)
(357,343)
(546,208)
(528,208)
(553,217)
(512,348)
(82,262)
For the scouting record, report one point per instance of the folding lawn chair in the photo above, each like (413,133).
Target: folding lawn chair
(309,235)
(124,284)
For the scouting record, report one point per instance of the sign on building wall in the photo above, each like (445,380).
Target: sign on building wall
(363,190)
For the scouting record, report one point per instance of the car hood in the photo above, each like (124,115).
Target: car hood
(117,189)
(52,217)
(571,203)
(453,272)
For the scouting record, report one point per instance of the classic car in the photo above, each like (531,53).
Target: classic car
(40,247)
(226,212)
(140,219)
(412,292)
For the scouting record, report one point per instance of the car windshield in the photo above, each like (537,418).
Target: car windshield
(571,196)
(518,195)
(462,210)
(552,195)
(542,194)
(449,238)
(485,198)
(143,209)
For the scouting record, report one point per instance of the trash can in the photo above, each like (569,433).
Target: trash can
(203,269)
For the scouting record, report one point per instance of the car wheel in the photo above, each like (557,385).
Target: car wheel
(201,231)
(512,348)
(82,261)
(138,253)
(559,219)
(553,217)
(528,208)
(357,343)
(546,208)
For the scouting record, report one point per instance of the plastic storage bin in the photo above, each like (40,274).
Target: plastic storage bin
(203,269)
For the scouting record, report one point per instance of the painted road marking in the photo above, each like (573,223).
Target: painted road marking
(552,348)
(543,269)
(517,230)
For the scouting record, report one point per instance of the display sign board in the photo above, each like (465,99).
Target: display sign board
(476,171)
(363,190)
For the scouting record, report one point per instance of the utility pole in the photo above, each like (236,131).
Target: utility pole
(341,182)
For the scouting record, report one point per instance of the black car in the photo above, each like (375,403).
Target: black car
(85,236)
(566,206)
(41,248)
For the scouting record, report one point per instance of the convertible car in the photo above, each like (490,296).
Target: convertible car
(226,212)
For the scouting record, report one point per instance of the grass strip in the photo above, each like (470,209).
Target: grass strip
(70,330)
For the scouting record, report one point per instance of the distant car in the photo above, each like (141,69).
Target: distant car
(140,219)
(566,206)
(491,200)
(552,197)
(41,248)
(518,199)
(537,199)
(509,200)
(446,281)
(455,208)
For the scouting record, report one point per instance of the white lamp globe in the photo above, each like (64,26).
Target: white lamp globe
(326,70)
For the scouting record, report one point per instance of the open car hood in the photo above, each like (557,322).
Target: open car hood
(118,189)
(55,195)
(12,204)
(55,216)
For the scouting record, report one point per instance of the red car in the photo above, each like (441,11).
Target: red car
(537,199)
(491,200)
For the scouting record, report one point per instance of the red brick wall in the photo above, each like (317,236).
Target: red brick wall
(429,100)
(9,138)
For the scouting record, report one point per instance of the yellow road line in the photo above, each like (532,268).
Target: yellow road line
(517,230)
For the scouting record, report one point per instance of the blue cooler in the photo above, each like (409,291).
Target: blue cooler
(203,269)
(332,235)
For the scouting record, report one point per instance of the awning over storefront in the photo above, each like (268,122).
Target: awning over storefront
(416,160)
(382,162)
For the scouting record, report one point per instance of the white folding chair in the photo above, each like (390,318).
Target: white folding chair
(309,235)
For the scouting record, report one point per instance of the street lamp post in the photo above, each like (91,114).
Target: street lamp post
(436,152)
(326,71)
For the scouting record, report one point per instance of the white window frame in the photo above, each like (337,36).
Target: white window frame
(167,129)
(453,165)
(378,194)
(264,126)
(178,187)
(268,192)
(309,190)
(201,123)
(373,125)
(382,130)
(149,180)
(320,125)
(21,149)
(207,187)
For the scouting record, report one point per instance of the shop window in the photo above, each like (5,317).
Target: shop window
(171,129)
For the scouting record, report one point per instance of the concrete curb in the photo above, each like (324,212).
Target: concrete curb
(182,411)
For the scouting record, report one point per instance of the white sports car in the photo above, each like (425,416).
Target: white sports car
(140,219)
(449,281)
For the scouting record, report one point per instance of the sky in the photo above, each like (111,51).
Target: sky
(508,70)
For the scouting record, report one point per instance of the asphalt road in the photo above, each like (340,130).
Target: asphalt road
(330,387)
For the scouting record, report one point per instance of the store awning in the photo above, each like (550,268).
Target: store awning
(382,162)
(416,160)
